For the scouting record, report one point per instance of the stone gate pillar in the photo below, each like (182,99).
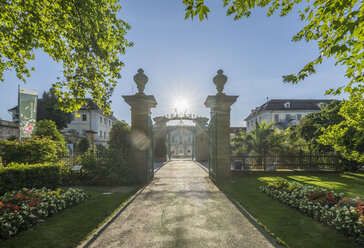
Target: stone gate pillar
(219,130)
(142,129)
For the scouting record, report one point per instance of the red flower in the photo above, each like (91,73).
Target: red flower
(7,205)
(1,204)
(15,208)
(32,204)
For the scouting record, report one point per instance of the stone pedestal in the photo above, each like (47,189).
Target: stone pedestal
(142,130)
(219,130)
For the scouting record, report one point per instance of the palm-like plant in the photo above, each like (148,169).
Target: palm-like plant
(262,140)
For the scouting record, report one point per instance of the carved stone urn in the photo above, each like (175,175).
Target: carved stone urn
(220,81)
(141,80)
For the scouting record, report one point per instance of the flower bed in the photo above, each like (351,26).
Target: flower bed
(19,210)
(342,213)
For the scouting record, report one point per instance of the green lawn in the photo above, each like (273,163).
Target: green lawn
(289,226)
(71,226)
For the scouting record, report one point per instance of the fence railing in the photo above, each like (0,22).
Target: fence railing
(304,161)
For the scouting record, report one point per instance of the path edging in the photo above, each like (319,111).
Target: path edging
(252,220)
(102,228)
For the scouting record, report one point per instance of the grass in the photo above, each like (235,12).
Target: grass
(71,226)
(289,226)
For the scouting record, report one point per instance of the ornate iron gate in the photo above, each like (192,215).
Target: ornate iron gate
(149,151)
(212,147)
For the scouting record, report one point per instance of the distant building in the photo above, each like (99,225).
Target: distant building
(284,112)
(8,129)
(181,140)
(91,118)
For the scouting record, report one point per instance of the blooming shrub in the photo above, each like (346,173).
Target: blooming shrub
(20,210)
(344,214)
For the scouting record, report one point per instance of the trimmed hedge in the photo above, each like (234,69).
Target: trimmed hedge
(17,176)
(32,151)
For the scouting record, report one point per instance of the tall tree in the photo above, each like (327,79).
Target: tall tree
(337,28)
(48,109)
(312,126)
(85,36)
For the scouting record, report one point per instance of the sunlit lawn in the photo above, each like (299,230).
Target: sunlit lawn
(288,225)
(71,226)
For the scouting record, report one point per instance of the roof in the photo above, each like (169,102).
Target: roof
(295,104)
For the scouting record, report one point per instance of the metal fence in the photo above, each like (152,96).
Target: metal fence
(303,161)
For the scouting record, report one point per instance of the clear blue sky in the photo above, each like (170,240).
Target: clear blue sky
(180,58)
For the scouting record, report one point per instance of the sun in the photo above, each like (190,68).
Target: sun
(181,105)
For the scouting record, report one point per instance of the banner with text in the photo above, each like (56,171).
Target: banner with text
(27,111)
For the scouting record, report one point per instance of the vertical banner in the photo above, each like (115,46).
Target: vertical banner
(27,107)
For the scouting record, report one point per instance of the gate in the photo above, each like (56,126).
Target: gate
(149,150)
(212,148)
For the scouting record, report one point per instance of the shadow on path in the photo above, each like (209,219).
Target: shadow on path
(181,207)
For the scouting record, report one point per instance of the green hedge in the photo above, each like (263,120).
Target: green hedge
(32,151)
(17,176)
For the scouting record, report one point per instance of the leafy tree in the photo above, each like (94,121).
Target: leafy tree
(85,36)
(337,28)
(120,137)
(311,126)
(47,109)
(48,129)
(83,145)
(347,137)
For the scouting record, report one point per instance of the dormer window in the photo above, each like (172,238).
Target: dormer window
(320,104)
(287,105)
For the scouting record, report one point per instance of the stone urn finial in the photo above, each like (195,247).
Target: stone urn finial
(220,81)
(141,80)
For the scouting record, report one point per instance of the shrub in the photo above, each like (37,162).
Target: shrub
(22,209)
(83,145)
(48,128)
(16,176)
(32,151)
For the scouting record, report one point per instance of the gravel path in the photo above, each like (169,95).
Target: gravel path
(181,207)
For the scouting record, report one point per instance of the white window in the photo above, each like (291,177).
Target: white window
(299,116)
(276,117)
(100,134)
(260,119)
(105,121)
(109,123)
(84,117)
(288,117)
(100,119)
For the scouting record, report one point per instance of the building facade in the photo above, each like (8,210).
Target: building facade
(181,140)
(91,118)
(284,112)
(8,129)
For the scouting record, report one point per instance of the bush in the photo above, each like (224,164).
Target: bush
(32,151)
(22,209)
(16,176)
(82,146)
(48,129)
